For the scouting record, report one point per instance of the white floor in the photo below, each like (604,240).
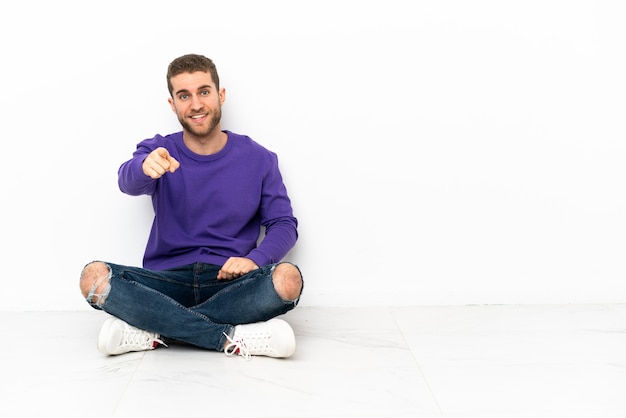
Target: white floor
(466,361)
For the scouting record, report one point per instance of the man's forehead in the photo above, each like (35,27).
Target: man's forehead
(192,81)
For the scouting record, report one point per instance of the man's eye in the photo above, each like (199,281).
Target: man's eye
(183,96)
(204,92)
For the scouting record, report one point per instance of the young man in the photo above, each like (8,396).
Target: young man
(206,279)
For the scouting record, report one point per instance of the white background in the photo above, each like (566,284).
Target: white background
(436,152)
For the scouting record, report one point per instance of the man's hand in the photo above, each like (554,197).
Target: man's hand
(236,267)
(159,162)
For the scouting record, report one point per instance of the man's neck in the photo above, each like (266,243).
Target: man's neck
(211,143)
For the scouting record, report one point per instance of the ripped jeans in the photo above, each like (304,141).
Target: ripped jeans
(189,304)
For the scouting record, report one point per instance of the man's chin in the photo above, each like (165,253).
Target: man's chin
(199,132)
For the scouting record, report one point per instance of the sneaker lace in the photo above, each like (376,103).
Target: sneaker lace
(237,346)
(138,338)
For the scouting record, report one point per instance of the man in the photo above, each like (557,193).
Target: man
(207,278)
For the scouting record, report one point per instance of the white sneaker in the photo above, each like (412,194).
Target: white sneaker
(273,338)
(118,337)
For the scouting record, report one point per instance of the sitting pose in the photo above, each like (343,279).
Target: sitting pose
(208,279)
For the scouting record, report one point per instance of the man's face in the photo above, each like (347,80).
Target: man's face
(197,102)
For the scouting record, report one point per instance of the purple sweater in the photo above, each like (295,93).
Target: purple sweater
(213,206)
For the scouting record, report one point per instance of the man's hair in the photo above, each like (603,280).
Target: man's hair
(191,63)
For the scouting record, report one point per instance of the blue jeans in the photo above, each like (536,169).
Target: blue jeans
(189,304)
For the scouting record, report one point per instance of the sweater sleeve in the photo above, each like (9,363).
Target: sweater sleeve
(281,227)
(280,236)
(130,176)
